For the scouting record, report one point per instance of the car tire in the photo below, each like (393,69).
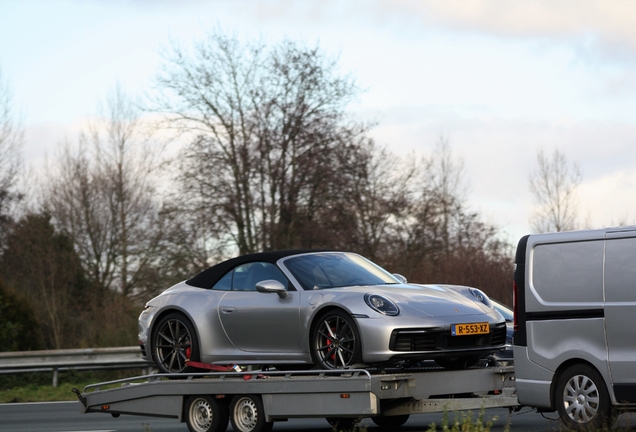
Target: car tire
(205,414)
(173,342)
(582,399)
(335,341)
(247,414)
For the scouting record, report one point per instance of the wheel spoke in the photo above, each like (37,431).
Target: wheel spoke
(180,362)
(338,326)
(592,400)
(324,347)
(171,329)
(583,414)
(344,363)
(329,330)
(344,348)
(172,358)
(329,353)
(170,341)
(177,330)
(325,335)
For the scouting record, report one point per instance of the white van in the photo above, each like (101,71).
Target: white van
(575,324)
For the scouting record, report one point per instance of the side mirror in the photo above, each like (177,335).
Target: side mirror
(399,277)
(272,286)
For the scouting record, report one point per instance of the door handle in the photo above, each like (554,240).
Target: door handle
(227,310)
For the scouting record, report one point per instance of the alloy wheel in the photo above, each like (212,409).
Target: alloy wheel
(173,345)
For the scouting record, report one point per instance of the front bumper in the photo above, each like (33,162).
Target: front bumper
(143,326)
(411,340)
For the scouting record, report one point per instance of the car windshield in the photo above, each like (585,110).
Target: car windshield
(333,270)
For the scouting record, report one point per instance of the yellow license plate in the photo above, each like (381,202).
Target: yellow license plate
(470,329)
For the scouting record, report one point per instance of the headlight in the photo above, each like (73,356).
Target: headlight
(481,297)
(381,304)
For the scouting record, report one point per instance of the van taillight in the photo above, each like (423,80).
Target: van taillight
(515,305)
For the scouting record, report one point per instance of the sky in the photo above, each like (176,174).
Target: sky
(500,80)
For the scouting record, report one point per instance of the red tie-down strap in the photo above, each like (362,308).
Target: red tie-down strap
(221,368)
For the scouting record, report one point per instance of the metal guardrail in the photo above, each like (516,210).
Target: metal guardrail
(76,359)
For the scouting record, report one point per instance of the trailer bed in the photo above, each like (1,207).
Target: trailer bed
(353,393)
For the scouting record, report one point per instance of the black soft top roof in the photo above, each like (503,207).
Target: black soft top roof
(210,276)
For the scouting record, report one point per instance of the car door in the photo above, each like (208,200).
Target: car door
(261,322)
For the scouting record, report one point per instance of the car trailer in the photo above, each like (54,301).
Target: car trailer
(253,400)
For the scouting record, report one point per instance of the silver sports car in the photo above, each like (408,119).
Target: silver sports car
(303,308)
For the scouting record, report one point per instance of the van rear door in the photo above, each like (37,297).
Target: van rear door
(620,312)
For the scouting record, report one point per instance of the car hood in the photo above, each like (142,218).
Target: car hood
(431,300)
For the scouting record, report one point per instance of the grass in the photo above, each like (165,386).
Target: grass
(465,422)
(37,387)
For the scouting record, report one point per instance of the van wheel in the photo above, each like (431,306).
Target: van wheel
(582,399)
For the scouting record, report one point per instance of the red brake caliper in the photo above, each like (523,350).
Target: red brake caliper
(188,353)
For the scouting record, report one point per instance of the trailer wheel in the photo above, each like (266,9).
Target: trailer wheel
(391,422)
(247,414)
(173,343)
(582,399)
(205,414)
(335,341)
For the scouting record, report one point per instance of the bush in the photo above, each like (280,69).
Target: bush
(19,330)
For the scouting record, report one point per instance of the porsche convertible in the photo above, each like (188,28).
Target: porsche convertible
(322,309)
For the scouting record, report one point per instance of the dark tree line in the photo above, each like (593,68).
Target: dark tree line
(273,160)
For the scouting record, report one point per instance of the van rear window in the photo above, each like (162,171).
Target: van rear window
(568,272)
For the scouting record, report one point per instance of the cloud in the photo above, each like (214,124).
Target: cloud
(605,201)
(612,21)
(499,154)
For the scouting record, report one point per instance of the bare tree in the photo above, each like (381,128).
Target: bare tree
(438,239)
(437,207)
(11,140)
(378,198)
(554,185)
(103,194)
(72,196)
(447,187)
(273,143)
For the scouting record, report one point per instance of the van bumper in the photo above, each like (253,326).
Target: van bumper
(533,381)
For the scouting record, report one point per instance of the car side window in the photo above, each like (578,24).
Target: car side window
(246,276)
(225,283)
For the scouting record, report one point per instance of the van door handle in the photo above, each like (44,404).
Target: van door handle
(227,310)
